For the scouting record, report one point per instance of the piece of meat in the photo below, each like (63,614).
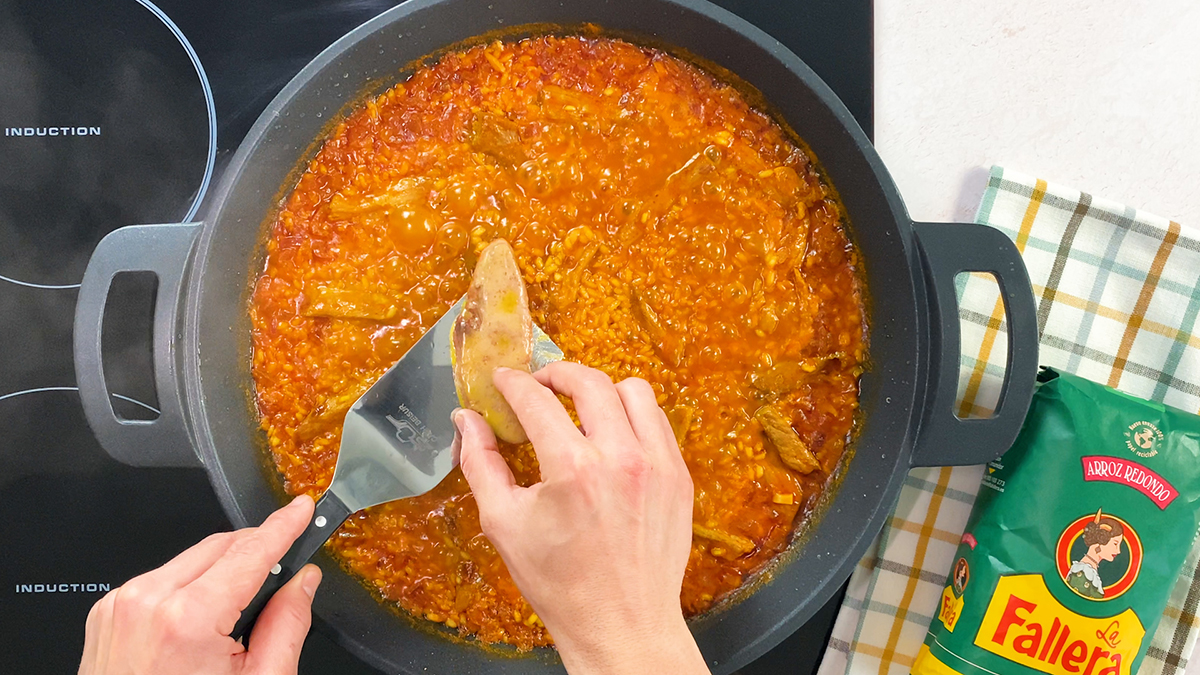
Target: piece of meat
(785,376)
(685,180)
(494,330)
(497,138)
(794,453)
(736,544)
(693,172)
(569,290)
(404,193)
(331,410)
(348,302)
(668,346)
(680,417)
(565,105)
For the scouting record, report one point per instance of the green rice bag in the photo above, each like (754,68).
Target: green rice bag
(1075,541)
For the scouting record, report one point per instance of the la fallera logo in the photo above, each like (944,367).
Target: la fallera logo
(952,602)
(1099,556)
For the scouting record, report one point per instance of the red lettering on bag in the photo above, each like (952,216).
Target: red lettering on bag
(1130,474)
(1075,654)
(1010,618)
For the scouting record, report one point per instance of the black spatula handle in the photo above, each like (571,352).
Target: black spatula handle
(328,515)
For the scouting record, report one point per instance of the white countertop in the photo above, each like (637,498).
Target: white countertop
(1102,96)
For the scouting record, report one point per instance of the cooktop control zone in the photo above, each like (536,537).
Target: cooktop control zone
(119,112)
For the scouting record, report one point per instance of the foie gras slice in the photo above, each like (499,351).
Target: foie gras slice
(494,330)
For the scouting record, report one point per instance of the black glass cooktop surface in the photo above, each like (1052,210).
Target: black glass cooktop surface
(117,112)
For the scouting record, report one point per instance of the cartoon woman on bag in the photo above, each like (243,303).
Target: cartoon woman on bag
(1103,537)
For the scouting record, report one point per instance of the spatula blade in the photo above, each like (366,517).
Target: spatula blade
(397,437)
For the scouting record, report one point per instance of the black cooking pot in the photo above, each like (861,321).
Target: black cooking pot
(206,270)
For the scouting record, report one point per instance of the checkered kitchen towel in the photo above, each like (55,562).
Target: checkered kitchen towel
(1118,294)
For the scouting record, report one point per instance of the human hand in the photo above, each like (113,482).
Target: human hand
(177,619)
(599,546)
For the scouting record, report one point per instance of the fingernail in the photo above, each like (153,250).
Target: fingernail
(458,419)
(300,497)
(456,449)
(312,579)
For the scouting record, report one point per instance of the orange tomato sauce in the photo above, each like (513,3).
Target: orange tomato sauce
(665,229)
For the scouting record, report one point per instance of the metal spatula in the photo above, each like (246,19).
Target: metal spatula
(395,444)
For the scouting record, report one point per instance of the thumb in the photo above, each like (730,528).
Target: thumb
(484,468)
(279,634)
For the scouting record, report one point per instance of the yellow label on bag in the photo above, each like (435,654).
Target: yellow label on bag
(1026,625)
(928,664)
(951,608)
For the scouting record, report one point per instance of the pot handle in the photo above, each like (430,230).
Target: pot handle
(946,250)
(163,250)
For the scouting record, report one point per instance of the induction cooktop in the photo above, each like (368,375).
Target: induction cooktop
(118,112)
